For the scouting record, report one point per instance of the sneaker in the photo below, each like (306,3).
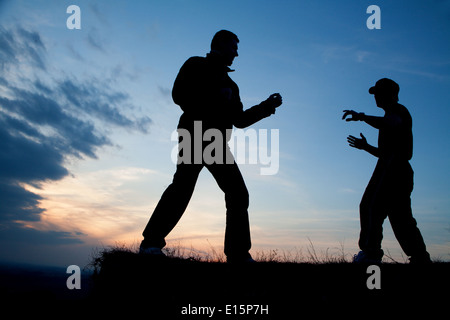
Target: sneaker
(152,251)
(364,258)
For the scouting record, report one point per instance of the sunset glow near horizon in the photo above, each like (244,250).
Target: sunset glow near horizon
(89,118)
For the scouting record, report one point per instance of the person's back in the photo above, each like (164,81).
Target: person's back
(206,93)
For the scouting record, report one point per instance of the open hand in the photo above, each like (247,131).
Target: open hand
(357,143)
(356,116)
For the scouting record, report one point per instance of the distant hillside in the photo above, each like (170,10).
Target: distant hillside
(189,289)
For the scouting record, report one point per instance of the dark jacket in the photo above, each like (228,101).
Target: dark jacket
(395,138)
(205,92)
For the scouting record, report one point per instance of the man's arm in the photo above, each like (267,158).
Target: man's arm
(374,121)
(362,144)
(254,114)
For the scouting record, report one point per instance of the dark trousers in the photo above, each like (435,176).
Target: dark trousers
(388,194)
(176,197)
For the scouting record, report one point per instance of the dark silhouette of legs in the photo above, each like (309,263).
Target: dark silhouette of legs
(388,194)
(171,206)
(405,229)
(176,197)
(372,215)
(237,232)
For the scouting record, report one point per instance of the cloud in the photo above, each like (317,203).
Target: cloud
(44,121)
(29,236)
(21,44)
(99,15)
(93,39)
(102,103)
(18,204)
(331,53)
(75,54)
(101,204)
(361,55)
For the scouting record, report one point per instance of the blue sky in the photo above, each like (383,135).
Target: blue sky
(87,116)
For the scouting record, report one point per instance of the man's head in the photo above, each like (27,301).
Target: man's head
(225,43)
(385,91)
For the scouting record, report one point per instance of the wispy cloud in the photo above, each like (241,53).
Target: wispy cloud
(94,40)
(331,53)
(361,55)
(45,120)
(436,75)
(99,204)
(19,45)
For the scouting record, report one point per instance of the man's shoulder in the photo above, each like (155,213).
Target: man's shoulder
(195,60)
(402,110)
(404,114)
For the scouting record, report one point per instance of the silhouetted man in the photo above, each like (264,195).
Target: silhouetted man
(209,100)
(388,193)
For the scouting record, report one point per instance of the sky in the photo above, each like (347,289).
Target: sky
(87,119)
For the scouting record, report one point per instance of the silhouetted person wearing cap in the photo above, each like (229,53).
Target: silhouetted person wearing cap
(209,100)
(388,193)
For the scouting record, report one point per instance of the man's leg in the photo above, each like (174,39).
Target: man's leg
(402,221)
(237,232)
(171,206)
(406,231)
(372,215)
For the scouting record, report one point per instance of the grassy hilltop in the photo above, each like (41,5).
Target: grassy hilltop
(171,286)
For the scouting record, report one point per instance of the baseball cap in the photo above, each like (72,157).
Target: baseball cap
(385,86)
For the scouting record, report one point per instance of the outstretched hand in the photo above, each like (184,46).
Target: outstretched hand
(355,116)
(356,142)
